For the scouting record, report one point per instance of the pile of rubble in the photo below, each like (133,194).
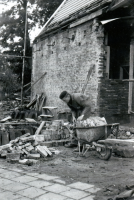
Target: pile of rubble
(123,133)
(25,150)
(92,121)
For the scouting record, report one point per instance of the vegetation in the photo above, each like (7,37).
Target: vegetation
(12,31)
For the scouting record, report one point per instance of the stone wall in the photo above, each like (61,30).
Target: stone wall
(67,57)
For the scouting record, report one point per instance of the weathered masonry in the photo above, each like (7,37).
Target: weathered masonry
(82,35)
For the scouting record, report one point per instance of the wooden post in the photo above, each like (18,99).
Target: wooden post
(131,70)
(121,73)
(108,62)
(24,53)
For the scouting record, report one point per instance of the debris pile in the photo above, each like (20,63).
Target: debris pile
(25,150)
(55,130)
(123,133)
(30,110)
(92,121)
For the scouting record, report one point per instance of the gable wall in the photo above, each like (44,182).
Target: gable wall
(67,63)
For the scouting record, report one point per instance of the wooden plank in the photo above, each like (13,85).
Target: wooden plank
(47,150)
(40,128)
(108,62)
(87,18)
(131,70)
(6,119)
(92,67)
(128,80)
(42,151)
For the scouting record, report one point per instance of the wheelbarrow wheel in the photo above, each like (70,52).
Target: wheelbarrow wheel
(105,153)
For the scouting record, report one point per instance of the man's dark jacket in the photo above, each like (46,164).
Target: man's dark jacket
(80,104)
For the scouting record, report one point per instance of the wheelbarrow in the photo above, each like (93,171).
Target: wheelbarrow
(92,137)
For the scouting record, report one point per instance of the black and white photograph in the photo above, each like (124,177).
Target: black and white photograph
(66,99)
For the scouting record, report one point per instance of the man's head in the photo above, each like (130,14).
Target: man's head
(65,96)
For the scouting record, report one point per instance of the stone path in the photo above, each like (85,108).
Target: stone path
(20,185)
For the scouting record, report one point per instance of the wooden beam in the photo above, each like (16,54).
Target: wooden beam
(87,18)
(128,80)
(131,70)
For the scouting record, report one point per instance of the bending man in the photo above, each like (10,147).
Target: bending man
(79,105)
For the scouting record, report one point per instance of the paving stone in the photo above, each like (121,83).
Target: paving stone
(17,170)
(24,179)
(51,196)
(47,177)
(75,194)
(14,187)
(93,190)
(31,192)
(81,186)
(9,195)
(3,170)
(5,182)
(23,198)
(89,198)
(39,183)
(57,188)
(32,174)
(69,199)
(10,174)
(59,181)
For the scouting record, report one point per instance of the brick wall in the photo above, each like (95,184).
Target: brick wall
(67,57)
(113,97)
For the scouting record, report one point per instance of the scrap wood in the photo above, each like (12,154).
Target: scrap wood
(6,146)
(25,135)
(30,120)
(47,150)
(40,128)
(6,119)
(124,195)
(88,77)
(26,139)
(33,102)
(42,102)
(25,151)
(28,161)
(35,156)
(29,148)
(42,151)
(37,102)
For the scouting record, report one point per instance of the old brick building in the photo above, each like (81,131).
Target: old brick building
(81,35)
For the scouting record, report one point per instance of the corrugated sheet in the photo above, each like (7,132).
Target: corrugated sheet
(71,7)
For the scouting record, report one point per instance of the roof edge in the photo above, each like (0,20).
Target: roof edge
(52,17)
(41,34)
